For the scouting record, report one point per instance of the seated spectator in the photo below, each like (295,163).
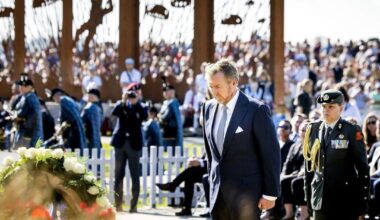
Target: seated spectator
(129,75)
(314,115)
(349,110)
(193,174)
(292,193)
(369,130)
(304,100)
(375,183)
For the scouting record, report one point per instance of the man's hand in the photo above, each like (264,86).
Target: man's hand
(193,162)
(265,204)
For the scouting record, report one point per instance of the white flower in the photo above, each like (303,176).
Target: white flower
(89,177)
(69,163)
(57,153)
(93,190)
(30,153)
(102,201)
(8,161)
(40,152)
(79,168)
(22,151)
(48,153)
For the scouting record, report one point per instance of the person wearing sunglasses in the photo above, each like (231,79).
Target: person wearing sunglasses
(369,130)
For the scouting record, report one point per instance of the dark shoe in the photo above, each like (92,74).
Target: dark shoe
(133,210)
(205,215)
(166,186)
(119,209)
(184,212)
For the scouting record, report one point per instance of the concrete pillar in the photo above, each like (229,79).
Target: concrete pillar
(276,63)
(203,43)
(19,43)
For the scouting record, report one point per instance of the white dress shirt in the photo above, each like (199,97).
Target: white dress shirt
(230,109)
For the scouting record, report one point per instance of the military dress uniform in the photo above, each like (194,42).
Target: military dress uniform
(28,117)
(337,171)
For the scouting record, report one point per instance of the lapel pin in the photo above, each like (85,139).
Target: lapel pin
(340,126)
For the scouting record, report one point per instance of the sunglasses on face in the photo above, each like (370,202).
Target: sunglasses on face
(284,127)
(371,122)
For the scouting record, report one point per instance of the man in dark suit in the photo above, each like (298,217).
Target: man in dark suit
(193,174)
(242,149)
(336,168)
(127,140)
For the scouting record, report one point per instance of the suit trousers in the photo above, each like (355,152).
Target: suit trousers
(321,215)
(221,211)
(122,155)
(191,175)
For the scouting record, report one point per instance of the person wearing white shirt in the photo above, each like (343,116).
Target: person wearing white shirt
(129,75)
(241,147)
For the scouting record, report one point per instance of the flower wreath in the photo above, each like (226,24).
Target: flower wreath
(43,178)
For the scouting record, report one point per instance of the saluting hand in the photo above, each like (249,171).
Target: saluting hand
(265,204)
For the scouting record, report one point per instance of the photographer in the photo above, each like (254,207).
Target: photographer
(127,141)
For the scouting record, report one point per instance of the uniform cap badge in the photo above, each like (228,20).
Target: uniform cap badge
(326,97)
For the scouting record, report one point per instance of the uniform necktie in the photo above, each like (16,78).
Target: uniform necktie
(220,132)
(327,135)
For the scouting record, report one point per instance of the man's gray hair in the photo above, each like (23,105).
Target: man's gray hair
(224,66)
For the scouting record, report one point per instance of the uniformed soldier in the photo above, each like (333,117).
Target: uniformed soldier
(92,119)
(170,119)
(74,137)
(336,167)
(27,115)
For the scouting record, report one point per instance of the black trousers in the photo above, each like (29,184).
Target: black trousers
(122,155)
(321,215)
(190,176)
(245,211)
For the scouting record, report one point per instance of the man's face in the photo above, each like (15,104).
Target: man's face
(25,89)
(169,94)
(221,88)
(129,66)
(284,130)
(56,98)
(331,112)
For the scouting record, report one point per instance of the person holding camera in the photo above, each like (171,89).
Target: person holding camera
(127,141)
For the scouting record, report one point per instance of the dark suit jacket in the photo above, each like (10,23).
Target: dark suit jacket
(128,125)
(285,151)
(294,161)
(249,166)
(343,186)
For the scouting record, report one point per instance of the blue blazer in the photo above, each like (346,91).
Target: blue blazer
(249,166)
(128,125)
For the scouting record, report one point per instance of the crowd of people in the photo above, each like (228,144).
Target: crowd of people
(351,68)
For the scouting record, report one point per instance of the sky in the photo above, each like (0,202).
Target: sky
(304,19)
(337,19)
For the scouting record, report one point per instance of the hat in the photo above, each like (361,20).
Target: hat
(24,80)
(167,87)
(134,86)
(300,57)
(331,96)
(129,61)
(51,93)
(94,92)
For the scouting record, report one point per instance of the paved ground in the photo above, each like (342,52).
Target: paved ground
(158,214)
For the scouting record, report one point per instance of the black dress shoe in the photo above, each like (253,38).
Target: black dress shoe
(184,212)
(166,186)
(205,215)
(133,210)
(119,209)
